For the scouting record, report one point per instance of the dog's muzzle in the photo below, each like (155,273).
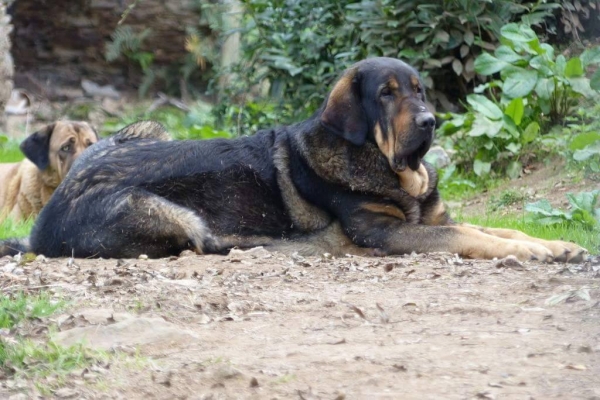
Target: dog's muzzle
(418,145)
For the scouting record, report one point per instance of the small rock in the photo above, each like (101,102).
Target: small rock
(143,257)
(18,396)
(226,372)
(129,332)
(253,382)
(9,268)
(162,377)
(93,89)
(510,262)
(65,393)
(438,157)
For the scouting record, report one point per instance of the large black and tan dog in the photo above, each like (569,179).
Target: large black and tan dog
(353,171)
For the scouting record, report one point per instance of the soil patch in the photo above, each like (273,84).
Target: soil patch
(263,325)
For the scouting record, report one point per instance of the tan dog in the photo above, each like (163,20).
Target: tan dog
(26,186)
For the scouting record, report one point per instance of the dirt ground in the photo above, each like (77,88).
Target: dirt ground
(262,325)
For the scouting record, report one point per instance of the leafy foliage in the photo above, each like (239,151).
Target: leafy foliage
(299,47)
(585,211)
(536,89)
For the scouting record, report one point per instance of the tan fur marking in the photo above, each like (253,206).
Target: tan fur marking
(393,83)
(414,81)
(437,216)
(384,144)
(340,98)
(385,209)
(402,122)
(414,182)
(306,216)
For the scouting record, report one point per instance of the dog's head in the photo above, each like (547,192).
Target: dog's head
(382,99)
(58,145)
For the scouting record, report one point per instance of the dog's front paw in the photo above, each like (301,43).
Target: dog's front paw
(566,251)
(527,251)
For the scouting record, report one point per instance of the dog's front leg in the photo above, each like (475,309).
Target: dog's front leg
(384,228)
(561,250)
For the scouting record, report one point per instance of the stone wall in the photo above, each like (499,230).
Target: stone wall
(64,40)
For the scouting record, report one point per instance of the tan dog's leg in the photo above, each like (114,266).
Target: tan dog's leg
(562,251)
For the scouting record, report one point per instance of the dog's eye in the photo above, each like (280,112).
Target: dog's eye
(386,91)
(66,147)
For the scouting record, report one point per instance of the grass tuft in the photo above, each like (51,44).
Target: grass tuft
(10,151)
(19,307)
(10,228)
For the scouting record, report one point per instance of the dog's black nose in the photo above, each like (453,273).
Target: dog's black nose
(425,120)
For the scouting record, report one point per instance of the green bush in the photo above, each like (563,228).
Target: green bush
(300,47)
(584,212)
(535,90)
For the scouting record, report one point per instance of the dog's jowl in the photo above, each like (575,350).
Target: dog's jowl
(354,171)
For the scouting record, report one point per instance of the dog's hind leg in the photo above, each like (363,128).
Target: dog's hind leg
(141,222)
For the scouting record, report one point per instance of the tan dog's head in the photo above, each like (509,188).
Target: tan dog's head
(54,148)
(382,100)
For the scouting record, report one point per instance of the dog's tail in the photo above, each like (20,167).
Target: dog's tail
(11,247)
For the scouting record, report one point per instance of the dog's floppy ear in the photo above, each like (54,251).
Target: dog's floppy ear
(37,146)
(343,114)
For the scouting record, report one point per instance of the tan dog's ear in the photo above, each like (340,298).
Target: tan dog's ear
(37,146)
(343,114)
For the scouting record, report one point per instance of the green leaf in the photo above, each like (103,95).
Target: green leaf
(487,64)
(574,68)
(542,65)
(595,80)
(585,201)
(533,47)
(531,132)
(590,56)
(560,65)
(513,170)
(507,54)
(582,86)
(584,207)
(457,66)
(543,213)
(515,110)
(545,105)
(485,106)
(519,83)
(442,36)
(513,147)
(452,125)
(545,88)
(481,168)
(509,126)
(584,139)
(484,126)
(587,153)
(518,33)
(469,37)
